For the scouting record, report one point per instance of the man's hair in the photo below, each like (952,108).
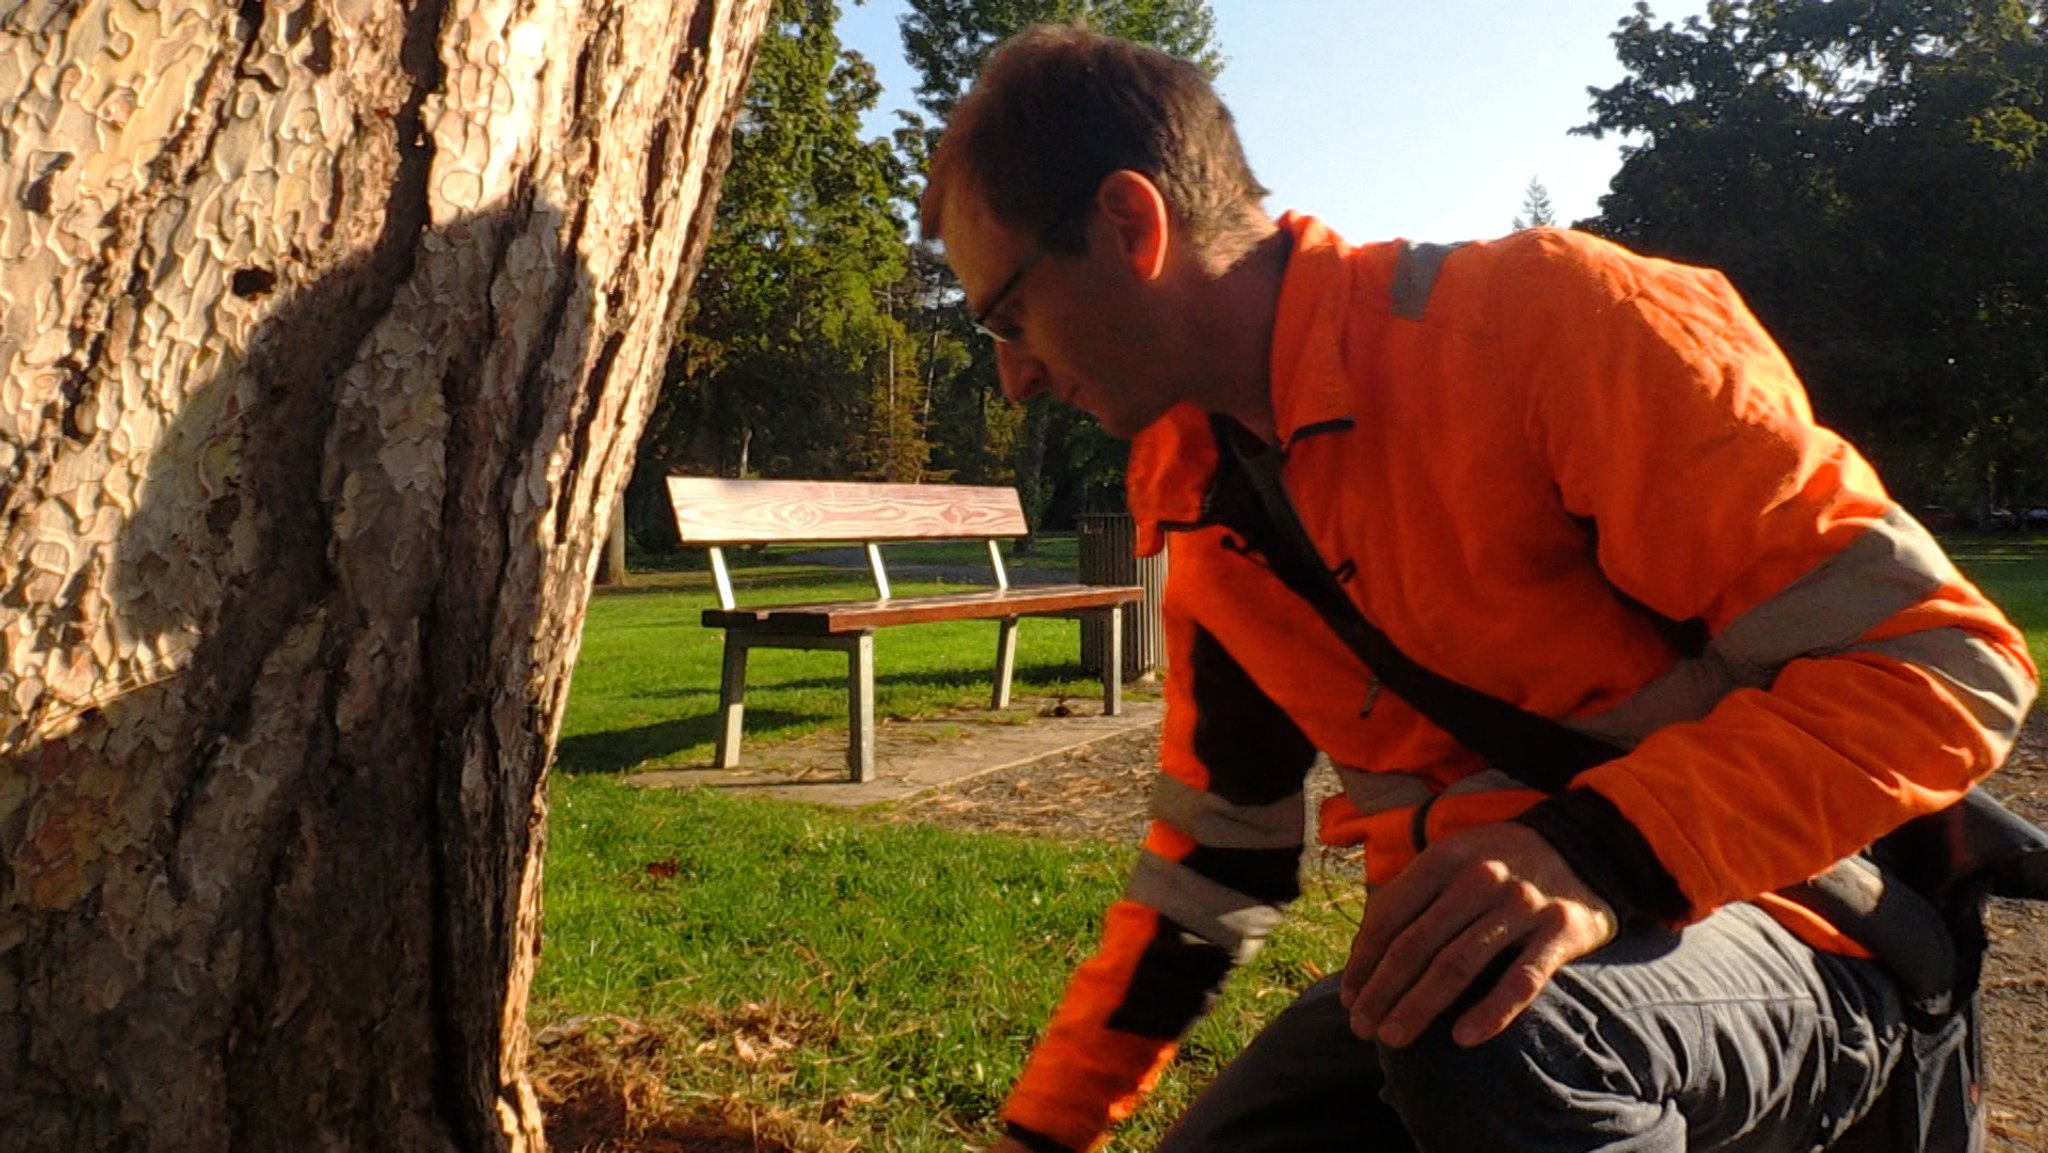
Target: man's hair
(1058,107)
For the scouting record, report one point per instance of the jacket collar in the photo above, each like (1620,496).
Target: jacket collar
(1173,461)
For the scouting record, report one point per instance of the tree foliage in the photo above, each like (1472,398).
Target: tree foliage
(947,41)
(1873,178)
(820,341)
(1536,208)
(792,359)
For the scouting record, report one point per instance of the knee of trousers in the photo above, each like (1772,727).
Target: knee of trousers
(1551,1071)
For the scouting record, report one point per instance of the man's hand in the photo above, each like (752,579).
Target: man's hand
(1461,904)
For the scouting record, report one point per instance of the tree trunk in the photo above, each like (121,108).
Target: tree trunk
(328,329)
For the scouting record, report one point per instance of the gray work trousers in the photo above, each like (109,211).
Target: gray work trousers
(1728,1035)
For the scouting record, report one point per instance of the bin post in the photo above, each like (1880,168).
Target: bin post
(1108,556)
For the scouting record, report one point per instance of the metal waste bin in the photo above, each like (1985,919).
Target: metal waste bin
(1108,556)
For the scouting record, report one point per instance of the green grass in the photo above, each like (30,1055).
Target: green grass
(2015,574)
(907,967)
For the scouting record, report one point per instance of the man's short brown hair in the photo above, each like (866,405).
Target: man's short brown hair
(1058,108)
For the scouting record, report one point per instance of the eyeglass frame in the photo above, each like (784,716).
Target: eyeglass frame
(1039,249)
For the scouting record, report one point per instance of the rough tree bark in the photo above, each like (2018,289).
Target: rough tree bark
(327,331)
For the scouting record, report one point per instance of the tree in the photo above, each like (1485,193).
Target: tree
(1872,177)
(947,41)
(1536,209)
(328,329)
(791,361)
(1060,463)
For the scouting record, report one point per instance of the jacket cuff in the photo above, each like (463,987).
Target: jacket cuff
(1609,854)
(1033,1140)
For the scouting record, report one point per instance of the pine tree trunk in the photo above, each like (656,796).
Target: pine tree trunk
(327,331)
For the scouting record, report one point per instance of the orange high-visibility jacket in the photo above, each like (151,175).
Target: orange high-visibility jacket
(1526,459)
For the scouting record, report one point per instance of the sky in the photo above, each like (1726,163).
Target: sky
(1423,119)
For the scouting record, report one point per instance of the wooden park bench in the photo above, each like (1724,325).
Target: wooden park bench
(717,513)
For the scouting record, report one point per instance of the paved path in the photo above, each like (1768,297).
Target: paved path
(916,754)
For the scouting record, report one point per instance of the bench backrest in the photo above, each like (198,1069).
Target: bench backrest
(715,511)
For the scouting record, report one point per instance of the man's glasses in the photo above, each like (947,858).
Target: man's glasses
(981,324)
(1038,250)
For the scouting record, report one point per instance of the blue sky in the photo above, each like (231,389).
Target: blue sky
(1416,118)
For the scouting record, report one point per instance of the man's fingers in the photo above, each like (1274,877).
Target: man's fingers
(1378,978)
(1493,904)
(1562,934)
(1514,991)
(1388,912)
(1453,970)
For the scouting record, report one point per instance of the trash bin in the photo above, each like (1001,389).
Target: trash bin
(1108,556)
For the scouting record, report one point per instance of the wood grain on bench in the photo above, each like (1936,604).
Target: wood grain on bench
(713,511)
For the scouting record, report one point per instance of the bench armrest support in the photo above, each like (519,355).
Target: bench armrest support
(721,578)
(995,560)
(876,570)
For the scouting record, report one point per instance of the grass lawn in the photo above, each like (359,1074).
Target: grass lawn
(840,979)
(2013,572)
(820,965)
(834,976)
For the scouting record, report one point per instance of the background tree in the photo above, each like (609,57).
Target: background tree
(1536,209)
(327,331)
(791,360)
(1061,462)
(1872,177)
(947,41)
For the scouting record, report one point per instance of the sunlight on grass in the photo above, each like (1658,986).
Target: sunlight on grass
(910,967)
(2014,573)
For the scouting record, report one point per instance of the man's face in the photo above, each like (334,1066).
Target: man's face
(1076,325)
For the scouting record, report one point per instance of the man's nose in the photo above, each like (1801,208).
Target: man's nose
(1022,374)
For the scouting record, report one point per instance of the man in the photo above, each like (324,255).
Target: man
(1578,480)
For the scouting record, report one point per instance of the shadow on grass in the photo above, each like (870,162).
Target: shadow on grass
(622,750)
(625,749)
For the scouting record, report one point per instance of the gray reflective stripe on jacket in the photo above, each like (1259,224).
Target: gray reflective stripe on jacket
(1415,273)
(1891,567)
(1214,912)
(1214,821)
(1371,792)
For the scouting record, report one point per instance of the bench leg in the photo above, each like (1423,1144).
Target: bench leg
(732,698)
(860,708)
(1006,662)
(1113,665)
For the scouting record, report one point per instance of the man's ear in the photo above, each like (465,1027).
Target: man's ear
(1136,211)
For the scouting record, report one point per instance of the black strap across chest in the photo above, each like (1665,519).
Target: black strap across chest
(1534,750)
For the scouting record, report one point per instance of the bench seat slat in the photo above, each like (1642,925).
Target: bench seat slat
(829,618)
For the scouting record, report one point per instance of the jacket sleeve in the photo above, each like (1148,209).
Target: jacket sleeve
(1219,862)
(1853,680)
